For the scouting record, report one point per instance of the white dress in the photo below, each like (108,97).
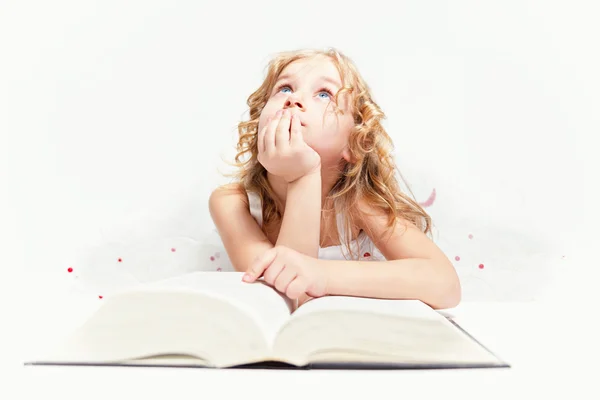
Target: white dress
(368,251)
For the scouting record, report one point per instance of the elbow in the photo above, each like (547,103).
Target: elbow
(448,293)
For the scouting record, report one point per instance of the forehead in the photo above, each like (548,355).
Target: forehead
(317,66)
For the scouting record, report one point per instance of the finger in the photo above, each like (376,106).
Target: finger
(259,265)
(295,131)
(282,135)
(260,140)
(296,288)
(286,276)
(270,133)
(270,275)
(303,299)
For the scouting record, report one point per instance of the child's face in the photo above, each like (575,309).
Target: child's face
(302,87)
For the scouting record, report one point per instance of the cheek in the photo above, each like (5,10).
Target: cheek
(266,113)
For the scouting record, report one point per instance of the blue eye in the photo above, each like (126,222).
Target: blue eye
(285,87)
(325,93)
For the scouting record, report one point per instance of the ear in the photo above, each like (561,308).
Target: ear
(347,156)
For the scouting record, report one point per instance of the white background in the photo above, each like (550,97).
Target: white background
(116,116)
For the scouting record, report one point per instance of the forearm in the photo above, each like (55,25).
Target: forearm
(300,227)
(433,282)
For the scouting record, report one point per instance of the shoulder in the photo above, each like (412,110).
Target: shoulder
(394,236)
(374,220)
(384,228)
(226,196)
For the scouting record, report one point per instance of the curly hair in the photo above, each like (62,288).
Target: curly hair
(371,177)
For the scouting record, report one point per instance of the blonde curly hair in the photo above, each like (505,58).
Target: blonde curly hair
(371,176)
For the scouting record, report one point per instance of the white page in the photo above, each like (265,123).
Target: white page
(403,308)
(261,302)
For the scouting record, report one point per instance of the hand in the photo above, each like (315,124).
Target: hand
(292,273)
(282,149)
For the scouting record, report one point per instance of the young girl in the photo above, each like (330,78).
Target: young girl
(316,208)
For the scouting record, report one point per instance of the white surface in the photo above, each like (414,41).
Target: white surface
(541,343)
(550,345)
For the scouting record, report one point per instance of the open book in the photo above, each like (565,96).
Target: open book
(213,319)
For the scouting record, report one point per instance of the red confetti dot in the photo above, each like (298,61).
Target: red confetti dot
(212,258)
(457,258)
(367,254)
(99,297)
(470,236)
(219,269)
(480,266)
(120,260)
(70,269)
(173,250)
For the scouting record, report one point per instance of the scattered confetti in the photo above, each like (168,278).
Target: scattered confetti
(457,258)
(367,254)
(470,236)
(173,250)
(120,260)
(212,258)
(480,266)
(430,200)
(99,297)
(219,269)
(70,269)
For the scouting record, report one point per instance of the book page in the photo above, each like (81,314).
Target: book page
(403,308)
(343,329)
(262,303)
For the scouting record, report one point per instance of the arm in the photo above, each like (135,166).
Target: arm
(300,227)
(416,268)
(241,236)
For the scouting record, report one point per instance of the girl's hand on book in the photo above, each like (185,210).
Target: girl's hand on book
(292,273)
(282,149)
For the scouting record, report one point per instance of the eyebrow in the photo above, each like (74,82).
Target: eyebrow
(323,78)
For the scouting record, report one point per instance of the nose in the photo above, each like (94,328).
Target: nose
(294,101)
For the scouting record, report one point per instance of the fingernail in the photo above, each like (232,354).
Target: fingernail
(246,277)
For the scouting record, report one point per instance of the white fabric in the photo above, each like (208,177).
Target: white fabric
(368,251)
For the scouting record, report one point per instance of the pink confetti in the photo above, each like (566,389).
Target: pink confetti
(480,266)
(470,236)
(173,250)
(212,258)
(430,200)
(70,269)
(457,258)
(219,269)
(119,260)
(99,297)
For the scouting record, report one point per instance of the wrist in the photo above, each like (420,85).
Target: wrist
(308,180)
(315,172)
(327,276)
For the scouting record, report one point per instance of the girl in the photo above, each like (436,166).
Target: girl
(316,209)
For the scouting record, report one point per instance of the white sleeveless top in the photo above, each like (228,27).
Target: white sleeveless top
(367,250)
